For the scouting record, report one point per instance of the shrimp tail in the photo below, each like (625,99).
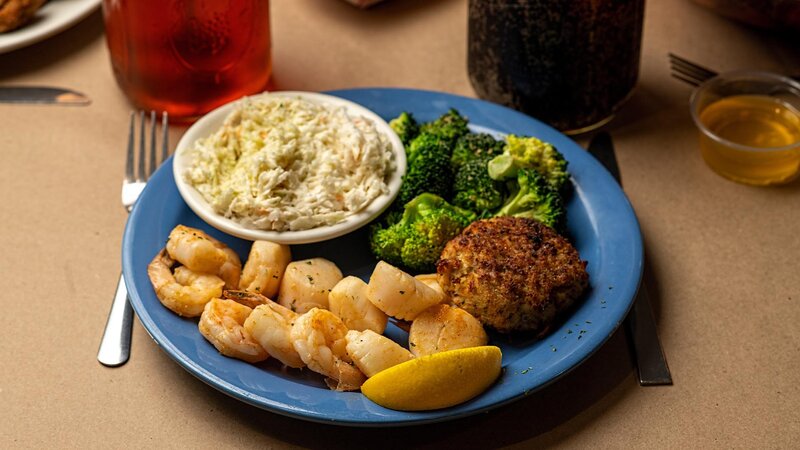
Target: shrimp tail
(350,378)
(246,298)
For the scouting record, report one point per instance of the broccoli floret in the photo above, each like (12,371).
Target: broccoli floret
(386,242)
(417,240)
(535,199)
(391,217)
(425,143)
(530,153)
(475,190)
(476,146)
(449,127)
(428,158)
(405,126)
(428,169)
(502,167)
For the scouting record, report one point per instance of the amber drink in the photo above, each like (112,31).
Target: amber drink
(187,57)
(749,126)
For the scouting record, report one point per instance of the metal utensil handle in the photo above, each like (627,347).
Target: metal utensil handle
(653,368)
(115,347)
(641,324)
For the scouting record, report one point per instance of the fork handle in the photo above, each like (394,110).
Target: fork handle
(115,348)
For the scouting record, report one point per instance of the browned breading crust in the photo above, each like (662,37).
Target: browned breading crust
(513,274)
(15,13)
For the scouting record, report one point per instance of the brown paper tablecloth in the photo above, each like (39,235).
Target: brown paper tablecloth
(723,256)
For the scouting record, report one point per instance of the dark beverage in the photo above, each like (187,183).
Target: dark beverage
(568,63)
(187,57)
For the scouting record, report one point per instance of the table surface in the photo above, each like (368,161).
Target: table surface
(722,257)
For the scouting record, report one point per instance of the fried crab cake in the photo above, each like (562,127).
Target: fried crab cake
(513,274)
(15,13)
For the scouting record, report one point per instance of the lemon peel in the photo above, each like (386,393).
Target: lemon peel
(435,381)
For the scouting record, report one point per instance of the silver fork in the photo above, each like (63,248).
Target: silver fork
(115,347)
(693,73)
(689,72)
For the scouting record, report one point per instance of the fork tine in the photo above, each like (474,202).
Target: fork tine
(140,174)
(691,65)
(689,69)
(131,146)
(692,72)
(692,81)
(165,137)
(152,144)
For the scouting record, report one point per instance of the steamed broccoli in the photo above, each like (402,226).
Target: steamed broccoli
(476,146)
(405,126)
(417,240)
(428,157)
(449,127)
(530,153)
(502,167)
(386,242)
(428,169)
(475,190)
(535,199)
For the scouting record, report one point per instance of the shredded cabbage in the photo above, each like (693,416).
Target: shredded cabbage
(290,164)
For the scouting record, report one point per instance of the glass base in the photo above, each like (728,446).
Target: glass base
(589,128)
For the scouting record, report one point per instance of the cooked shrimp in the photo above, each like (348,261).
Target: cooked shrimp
(271,325)
(444,327)
(185,292)
(231,269)
(319,338)
(222,323)
(348,300)
(432,281)
(372,352)
(249,299)
(194,249)
(398,294)
(306,284)
(202,253)
(264,268)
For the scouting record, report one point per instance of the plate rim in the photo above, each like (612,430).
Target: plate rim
(33,33)
(402,418)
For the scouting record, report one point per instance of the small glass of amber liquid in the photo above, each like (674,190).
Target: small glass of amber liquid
(749,126)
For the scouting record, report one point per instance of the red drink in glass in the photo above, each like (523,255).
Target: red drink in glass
(187,57)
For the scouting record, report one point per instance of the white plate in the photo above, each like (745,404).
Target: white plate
(212,121)
(52,18)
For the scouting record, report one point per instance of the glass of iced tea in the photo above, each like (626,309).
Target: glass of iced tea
(187,57)
(749,126)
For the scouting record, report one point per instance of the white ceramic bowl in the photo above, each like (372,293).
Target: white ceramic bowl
(212,121)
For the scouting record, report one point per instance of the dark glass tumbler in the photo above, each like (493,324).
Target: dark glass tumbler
(569,63)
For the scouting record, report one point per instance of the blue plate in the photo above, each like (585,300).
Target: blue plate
(601,224)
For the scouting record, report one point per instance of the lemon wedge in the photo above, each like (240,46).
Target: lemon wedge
(435,381)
